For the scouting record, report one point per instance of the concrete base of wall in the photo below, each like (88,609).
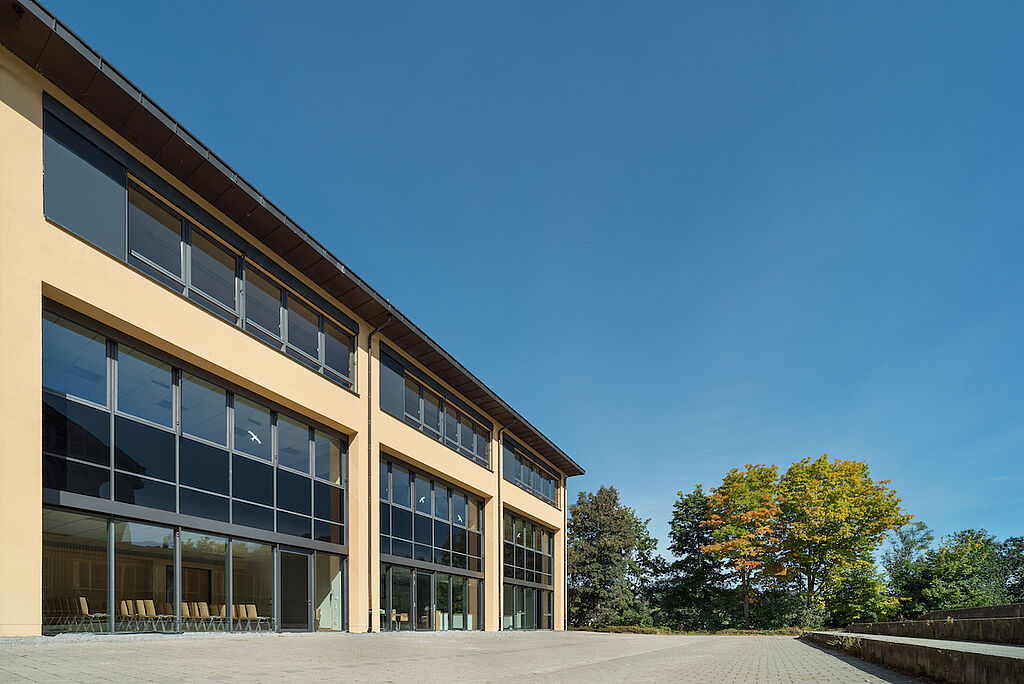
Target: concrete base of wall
(946,661)
(991,630)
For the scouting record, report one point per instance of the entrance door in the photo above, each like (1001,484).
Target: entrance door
(295,603)
(424,600)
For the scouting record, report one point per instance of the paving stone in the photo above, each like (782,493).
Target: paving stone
(416,657)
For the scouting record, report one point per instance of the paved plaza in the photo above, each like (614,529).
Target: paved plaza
(460,657)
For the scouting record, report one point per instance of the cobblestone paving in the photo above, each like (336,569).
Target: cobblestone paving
(459,657)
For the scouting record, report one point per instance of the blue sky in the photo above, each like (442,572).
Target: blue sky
(676,238)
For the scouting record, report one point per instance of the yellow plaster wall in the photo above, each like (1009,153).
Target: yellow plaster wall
(40,260)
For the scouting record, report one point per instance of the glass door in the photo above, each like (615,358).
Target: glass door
(295,594)
(424,600)
(442,602)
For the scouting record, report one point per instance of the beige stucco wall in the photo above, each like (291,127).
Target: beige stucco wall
(38,259)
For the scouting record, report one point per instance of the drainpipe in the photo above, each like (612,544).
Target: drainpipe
(565,553)
(369,465)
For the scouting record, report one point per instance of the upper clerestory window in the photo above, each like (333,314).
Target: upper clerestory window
(90,193)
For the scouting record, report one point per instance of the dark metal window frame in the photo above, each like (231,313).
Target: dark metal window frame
(387,462)
(511,578)
(114,512)
(450,405)
(178,369)
(524,459)
(139,176)
(389,562)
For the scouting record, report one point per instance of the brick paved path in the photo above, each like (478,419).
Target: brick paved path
(461,657)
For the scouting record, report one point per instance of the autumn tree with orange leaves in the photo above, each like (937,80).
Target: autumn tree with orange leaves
(743,514)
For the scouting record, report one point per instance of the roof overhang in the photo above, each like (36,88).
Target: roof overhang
(35,36)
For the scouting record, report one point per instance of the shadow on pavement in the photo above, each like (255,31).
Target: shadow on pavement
(884,673)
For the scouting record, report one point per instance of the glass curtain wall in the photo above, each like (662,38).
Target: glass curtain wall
(144,583)
(329,593)
(203,582)
(74,573)
(416,599)
(252,586)
(526,607)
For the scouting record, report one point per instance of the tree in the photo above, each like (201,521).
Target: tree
(858,594)
(834,516)
(742,514)
(1011,553)
(610,559)
(965,571)
(691,590)
(906,564)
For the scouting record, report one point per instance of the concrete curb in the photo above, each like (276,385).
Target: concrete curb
(939,661)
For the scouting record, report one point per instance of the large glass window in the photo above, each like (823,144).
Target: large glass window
(262,303)
(87,192)
(204,410)
(292,443)
(74,572)
(445,533)
(329,593)
(154,234)
(143,386)
(303,328)
(252,428)
(401,599)
(83,188)
(203,582)
(213,270)
(194,472)
(252,586)
(528,473)
(144,577)
(528,551)
(407,398)
(74,359)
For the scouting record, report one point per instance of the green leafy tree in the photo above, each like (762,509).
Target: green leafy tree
(965,571)
(611,562)
(907,566)
(834,516)
(743,516)
(692,588)
(1011,553)
(858,594)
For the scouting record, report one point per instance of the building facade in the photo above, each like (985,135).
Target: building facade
(211,423)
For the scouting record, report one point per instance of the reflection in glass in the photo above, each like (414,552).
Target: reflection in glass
(293,492)
(203,582)
(252,516)
(143,578)
(473,620)
(83,188)
(401,599)
(338,349)
(400,486)
(441,501)
(303,328)
(424,585)
(252,428)
(328,502)
(143,449)
(292,444)
(422,494)
(203,505)
(329,592)
(327,456)
(442,602)
(262,302)
(252,585)
(294,590)
(75,430)
(204,411)
(203,466)
(142,491)
(79,478)
(143,386)
(252,480)
(154,233)
(213,269)
(458,602)
(74,359)
(74,573)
